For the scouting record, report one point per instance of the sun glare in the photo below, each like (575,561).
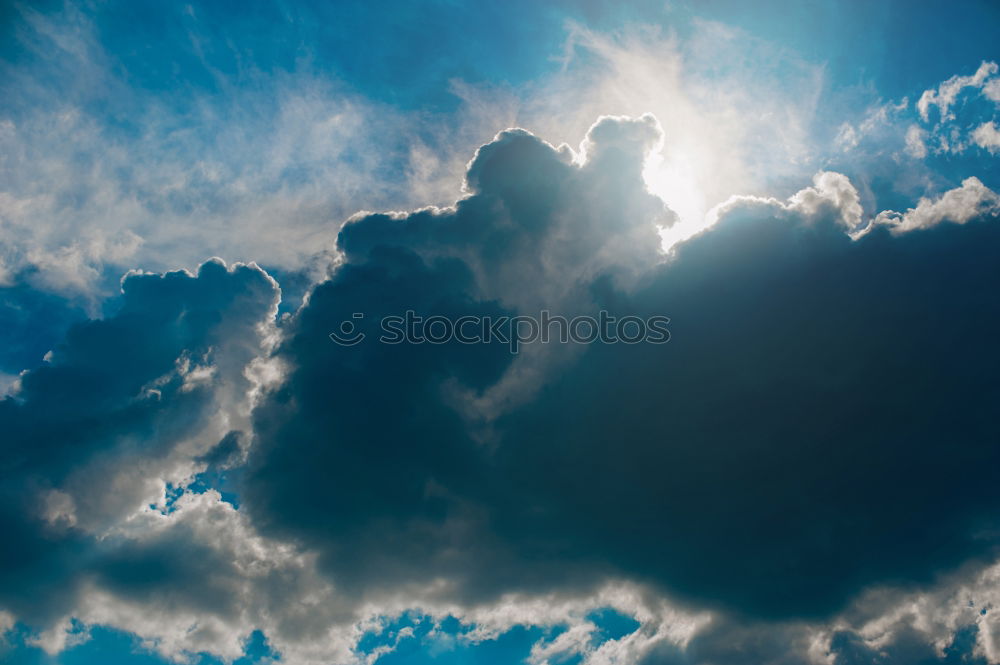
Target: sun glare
(673,181)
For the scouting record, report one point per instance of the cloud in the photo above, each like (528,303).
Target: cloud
(894,151)
(102,173)
(119,412)
(719,139)
(742,468)
(832,198)
(735,482)
(991,90)
(950,132)
(804,473)
(947,93)
(915,142)
(538,228)
(199,580)
(813,403)
(973,200)
(987,136)
(875,122)
(951,620)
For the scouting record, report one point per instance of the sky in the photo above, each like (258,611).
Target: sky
(211,453)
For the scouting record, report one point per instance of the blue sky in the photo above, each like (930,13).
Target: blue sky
(194,196)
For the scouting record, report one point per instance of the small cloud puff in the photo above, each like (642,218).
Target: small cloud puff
(973,200)
(947,93)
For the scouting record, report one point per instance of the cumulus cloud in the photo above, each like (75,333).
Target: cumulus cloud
(85,196)
(727,129)
(752,427)
(199,579)
(973,200)
(831,198)
(537,229)
(728,490)
(804,474)
(951,620)
(987,136)
(119,412)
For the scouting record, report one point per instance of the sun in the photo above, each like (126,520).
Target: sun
(673,179)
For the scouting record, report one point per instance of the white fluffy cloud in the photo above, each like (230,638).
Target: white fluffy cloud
(832,196)
(238,582)
(945,95)
(916,145)
(987,136)
(256,175)
(970,201)
(893,129)
(947,134)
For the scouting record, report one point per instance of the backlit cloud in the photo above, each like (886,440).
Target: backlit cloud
(218,460)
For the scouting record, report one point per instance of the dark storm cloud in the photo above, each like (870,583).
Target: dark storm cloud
(729,642)
(821,421)
(87,431)
(537,228)
(363,451)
